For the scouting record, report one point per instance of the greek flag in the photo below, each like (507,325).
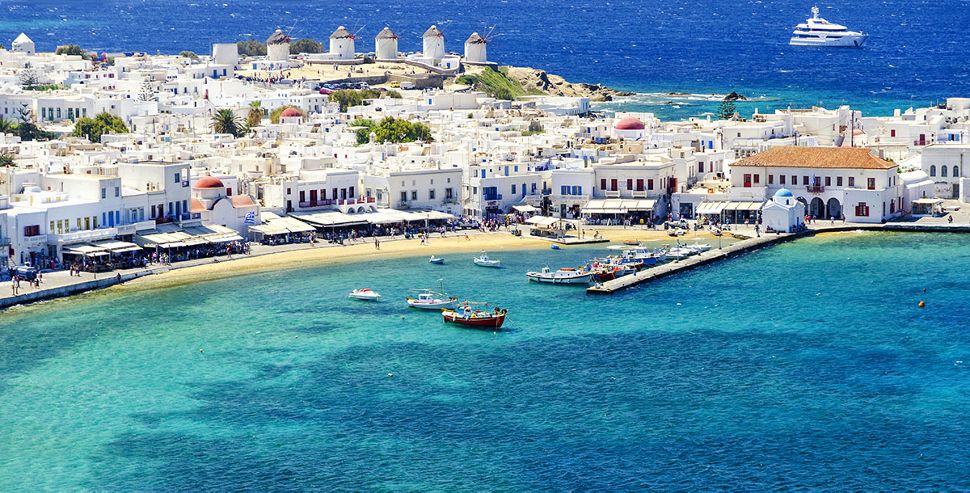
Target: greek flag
(250,218)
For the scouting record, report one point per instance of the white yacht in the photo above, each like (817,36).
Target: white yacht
(817,31)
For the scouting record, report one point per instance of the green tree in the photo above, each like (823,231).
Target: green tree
(70,50)
(7,126)
(225,121)
(28,78)
(347,98)
(392,130)
(274,116)
(7,159)
(255,115)
(306,45)
(727,110)
(189,54)
(94,128)
(26,127)
(251,47)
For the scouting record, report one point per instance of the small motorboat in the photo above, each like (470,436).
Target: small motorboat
(678,253)
(431,301)
(561,276)
(484,261)
(436,260)
(468,316)
(365,294)
(697,246)
(555,247)
(631,242)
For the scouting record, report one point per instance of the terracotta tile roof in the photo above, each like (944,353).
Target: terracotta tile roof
(816,157)
(242,201)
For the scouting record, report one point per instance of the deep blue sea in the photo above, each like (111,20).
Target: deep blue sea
(804,366)
(916,54)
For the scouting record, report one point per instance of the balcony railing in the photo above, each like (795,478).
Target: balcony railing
(815,188)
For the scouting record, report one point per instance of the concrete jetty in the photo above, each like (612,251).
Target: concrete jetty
(749,244)
(713,255)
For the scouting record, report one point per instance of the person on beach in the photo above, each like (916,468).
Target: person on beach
(377,244)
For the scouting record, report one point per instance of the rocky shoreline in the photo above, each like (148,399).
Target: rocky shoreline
(534,80)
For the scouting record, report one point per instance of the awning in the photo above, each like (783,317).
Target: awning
(331,219)
(711,208)
(542,221)
(928,201)
(618,206)
(744,206)
(525,208)
(88,250)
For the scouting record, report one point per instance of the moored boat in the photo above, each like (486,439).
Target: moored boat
(483,260)
(561,276)
(365,294)
(436,260)
(430,300)
(471,317)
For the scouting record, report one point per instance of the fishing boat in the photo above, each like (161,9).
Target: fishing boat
(484,261)
(436,260)
(631,242)
(610,272)
(469,316)
(365,294)
(646,255)
(430,300)
(561,276)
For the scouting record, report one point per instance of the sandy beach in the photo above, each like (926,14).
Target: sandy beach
(324,254)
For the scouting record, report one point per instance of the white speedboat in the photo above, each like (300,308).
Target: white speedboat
(816,31)
(484,261)
(678,253)
(429,300)
(436,260)
(561,276)
(365,294)
(697,246)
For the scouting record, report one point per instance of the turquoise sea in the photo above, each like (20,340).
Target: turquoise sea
(799,367)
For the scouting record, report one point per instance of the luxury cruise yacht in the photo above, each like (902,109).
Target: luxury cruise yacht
(817,31)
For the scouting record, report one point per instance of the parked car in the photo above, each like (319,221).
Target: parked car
(25,272)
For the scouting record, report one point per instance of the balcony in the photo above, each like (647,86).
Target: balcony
(815,189)
(492,197)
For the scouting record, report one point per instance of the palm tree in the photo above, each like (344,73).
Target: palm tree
(6,159)
(255,115)
(225,121)
(7,126)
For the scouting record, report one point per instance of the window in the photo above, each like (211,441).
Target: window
(639,184)
(851,181)
(32,230)
(771,179)
(449,195)
(602,183)
(892,133)
(757,179)
(838,181)
(805,180)
(943,171)
(862,210)
(871,184)
(513,189)
(117,191)
(781,179)
(104,193)
(650,184)
(747,180)
(613,184)
(629,183)
(431,194)
(956,171)
(828,181)
(414,195)
(178,177)
(404,196)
